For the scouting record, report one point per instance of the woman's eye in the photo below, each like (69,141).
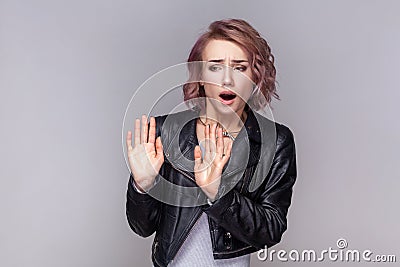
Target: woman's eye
(216,67)
(240,68)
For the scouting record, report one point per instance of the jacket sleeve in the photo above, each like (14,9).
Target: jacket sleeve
(142,211)
(261,222)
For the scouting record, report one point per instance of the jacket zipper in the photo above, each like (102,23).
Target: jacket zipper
(155,250)
(182,172)
(245,178)
(186,236)
(197,217)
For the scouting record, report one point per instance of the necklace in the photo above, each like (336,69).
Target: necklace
(224,132)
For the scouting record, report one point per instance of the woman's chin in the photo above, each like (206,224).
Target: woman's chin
(225,109)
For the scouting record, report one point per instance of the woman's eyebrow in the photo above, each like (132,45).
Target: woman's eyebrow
(233,60)
(239,60)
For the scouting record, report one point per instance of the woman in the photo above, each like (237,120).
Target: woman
(239,216)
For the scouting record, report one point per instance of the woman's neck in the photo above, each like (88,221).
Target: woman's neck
(231,122)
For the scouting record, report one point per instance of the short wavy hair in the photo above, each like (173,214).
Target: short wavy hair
(257,49)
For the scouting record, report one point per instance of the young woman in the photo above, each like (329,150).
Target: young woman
(239,215)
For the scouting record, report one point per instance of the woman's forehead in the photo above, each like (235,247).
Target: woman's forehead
(223,50)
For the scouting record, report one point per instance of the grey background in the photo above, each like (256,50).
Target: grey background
(69,68)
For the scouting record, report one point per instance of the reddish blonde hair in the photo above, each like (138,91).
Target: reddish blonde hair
(257,49)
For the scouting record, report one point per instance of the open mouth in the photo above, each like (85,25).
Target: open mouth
(227,97)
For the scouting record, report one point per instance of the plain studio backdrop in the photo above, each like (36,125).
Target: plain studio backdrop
(69,68)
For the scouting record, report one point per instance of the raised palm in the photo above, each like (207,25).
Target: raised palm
(146,156)
(208,170)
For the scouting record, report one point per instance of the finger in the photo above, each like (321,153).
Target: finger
(212,132)
(129,140)
(197,155)
(144,129)
(220,142)
(207,138)
(212,137)
(159,148)
(215,139)
(152,132)
(137,132)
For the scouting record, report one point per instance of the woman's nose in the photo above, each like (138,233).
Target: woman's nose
(227,79)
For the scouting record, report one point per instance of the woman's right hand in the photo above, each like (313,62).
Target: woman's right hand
(146,156)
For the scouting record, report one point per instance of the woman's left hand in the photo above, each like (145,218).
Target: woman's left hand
(208,170)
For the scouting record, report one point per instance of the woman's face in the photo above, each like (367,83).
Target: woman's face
(227,76)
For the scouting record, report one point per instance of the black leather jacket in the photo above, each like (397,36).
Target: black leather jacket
(241,220)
